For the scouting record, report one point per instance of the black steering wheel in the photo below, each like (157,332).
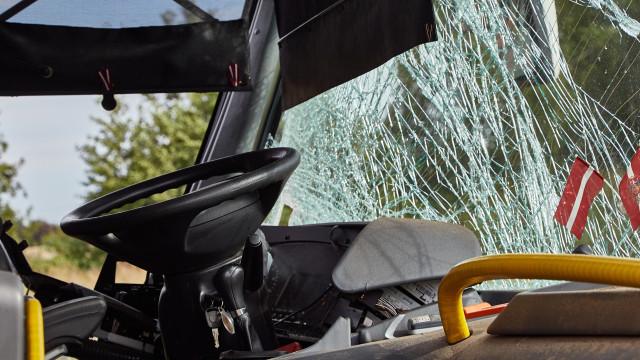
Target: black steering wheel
(194,231)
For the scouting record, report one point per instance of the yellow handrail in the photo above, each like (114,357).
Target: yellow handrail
(34,330)
(584,268)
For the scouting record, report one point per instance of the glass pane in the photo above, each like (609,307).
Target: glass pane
(481,128)
(7,4)
(122,13)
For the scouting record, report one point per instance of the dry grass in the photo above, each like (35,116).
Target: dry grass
(42,260)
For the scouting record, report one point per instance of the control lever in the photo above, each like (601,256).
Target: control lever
(229,281)
(253,262)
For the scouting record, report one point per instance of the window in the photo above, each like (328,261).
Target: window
(481,128)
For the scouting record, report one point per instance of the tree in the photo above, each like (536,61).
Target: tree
(162,136)
(9,186)
(73,251)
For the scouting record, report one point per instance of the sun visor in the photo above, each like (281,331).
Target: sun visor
(60,60)
(324,43)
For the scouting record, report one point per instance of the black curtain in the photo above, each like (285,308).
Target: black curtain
(325,43)
(61,60)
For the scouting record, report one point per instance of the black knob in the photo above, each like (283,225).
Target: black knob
(109,102)
(253,262)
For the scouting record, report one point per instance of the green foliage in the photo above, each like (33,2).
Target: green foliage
(38,232)
(33,231)
(9,186)
(162,136)
(72,251)
(602,60)
(285,216)
(62,250)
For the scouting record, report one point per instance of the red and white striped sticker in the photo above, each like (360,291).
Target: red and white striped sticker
(234,74)
(105,79)
(583,184)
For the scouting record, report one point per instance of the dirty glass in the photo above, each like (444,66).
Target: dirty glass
(481,128)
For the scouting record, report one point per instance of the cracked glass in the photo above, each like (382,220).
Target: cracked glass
(481,127)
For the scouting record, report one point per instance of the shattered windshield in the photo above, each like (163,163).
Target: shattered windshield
(481,127)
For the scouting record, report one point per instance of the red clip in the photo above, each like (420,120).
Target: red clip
(482,309)
(105,79)
(290,348)
(234,74)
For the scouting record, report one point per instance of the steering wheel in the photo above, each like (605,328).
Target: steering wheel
(196,230)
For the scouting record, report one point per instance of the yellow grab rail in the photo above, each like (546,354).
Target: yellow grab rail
(584,268)
(34,330)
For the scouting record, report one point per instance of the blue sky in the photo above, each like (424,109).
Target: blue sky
(45,131)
